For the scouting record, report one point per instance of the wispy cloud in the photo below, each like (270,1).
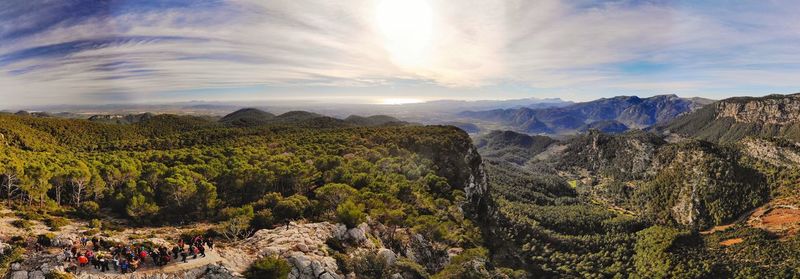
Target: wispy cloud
(80,50)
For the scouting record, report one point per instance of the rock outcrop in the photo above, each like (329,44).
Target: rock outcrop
(775,109)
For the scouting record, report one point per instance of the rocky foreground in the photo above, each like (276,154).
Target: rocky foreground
(303,245)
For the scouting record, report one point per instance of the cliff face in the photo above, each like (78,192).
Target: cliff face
(778,110)
(733,119)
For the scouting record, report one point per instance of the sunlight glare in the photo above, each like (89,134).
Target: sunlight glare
(399,101)
(407,27)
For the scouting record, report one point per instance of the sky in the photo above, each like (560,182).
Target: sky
(365,51)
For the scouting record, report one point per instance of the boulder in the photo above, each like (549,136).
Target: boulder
(20,274)
(388,255)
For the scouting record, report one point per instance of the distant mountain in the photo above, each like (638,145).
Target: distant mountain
(121,119)
(616,114)
(736,118)
(605,126)
(256,117)
(247,117)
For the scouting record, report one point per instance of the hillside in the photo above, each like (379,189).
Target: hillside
(606,199)
(733,119)
(246,117)
(411,192)
(616,114)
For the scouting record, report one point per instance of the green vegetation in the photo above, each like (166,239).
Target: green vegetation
(168,169)
(268,268)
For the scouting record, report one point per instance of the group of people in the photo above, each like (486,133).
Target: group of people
(105,256)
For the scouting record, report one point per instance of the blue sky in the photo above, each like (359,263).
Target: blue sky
(115,51)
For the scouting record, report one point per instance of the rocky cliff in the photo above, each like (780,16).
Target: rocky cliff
(774,109)
(733,119)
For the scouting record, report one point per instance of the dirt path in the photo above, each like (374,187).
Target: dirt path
(740,219)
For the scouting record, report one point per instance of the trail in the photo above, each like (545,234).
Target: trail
(212,257)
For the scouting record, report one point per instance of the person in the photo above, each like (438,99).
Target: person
(115,263)
(195,251)
(210,243)
(83,260)
(156,258)
(123,266)
(184,254)
(143,256)
(175,251)
(134,265)
(103,264)
(84,240)
(67,255)
(202,250)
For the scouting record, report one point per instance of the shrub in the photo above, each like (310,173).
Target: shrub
(58,275)
(45,240)
(268,267)
(263,219)
(350,214)
(10,256)
(55,223)
(89,209)
(95,224)
(370,265)
(22,224)
(291,208)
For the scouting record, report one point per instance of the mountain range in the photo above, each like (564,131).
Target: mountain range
(617,114)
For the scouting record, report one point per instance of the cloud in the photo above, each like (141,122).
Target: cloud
(75,51)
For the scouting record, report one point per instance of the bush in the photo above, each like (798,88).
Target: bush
(89,209)
(45,240)
(291,208)
(263,219)
(350,214)
(95,224)
(370,265)
(55,223)
(22,224)
(11,256)
(58,275)
(268,267)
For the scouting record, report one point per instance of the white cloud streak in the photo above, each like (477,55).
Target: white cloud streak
(548,44)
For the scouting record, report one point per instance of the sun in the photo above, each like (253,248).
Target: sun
(407,28)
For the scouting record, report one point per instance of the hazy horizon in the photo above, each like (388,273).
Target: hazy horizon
(391,51)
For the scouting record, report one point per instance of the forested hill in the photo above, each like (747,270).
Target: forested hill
(419,187)
(732,119)
(634,205)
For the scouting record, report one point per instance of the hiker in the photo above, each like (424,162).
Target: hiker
(143,256)
(103,264)
(84,240)
(83,260)
(210,243)
(134,265)
(175,251)
(196,251)
(115,262)
(184,254)
(67,255)
(156,258)
(202,250)
(123,266)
